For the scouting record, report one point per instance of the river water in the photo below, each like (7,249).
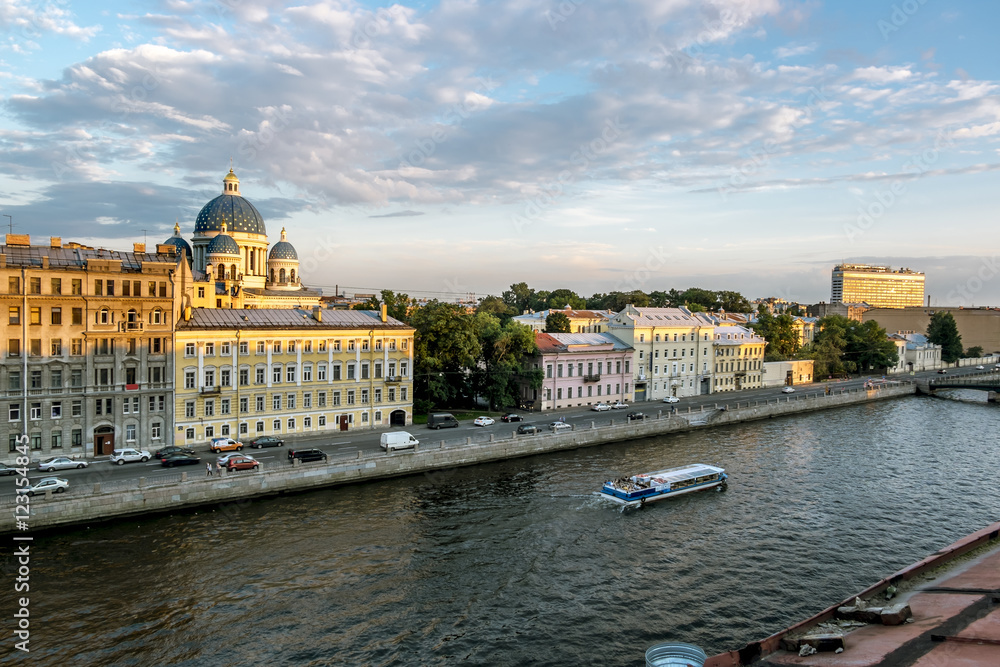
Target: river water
(518,563)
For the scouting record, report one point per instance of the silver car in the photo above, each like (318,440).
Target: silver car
(53,484)
(60,463)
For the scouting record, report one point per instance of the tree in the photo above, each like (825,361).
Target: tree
(497,307)
(519,297)
(779,332)
(557,322)
(564,297)
(974,352)
(943,331)
(869,347)
(445,346)
(498,370)
(733,302)
(843,345)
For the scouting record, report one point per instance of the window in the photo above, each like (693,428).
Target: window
(322,420)
(14,347)
(307,400)
(290,347)
(364,370)
(13,285)
(243,428)
(34,285)
(244,377)
(350,371)
(378,370)
(209,377)
(209,349)
(259,403)
(364,396)
(364,417)
(321,399)
(156,430)
(209,407)
(76,436)
(320,372)
(291,423)
(130,429)
(392,394)
(276,402)
(350,397)
(224,430)
(307,373)
(276,347)
(260,347)
(336,346)
(189,379)
(35,411)
(402,393)
(189,433)
(365,346)
(189,409)
(259,376)
(76,409)
(189,349)
(335,399)
(36,379)
(290,374)
(57,440)
(56,347)
(209,431)
(377,395)
(402,368)
(276,425)
(307,422)
(336,372)
(276,374)
(307,346)
(244,348)
(322,346)
(225,350)
(244,405)
(35,347)
(259,427)
(226,377)
(290,401)
(14,315)
(201,292)
(57,410)
(76,378)
(351,346)
(14,412)
(35,315)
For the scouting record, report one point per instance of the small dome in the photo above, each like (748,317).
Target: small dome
(223,244)
(232,209)
(283,249)
(183,248)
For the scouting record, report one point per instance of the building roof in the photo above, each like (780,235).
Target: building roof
(287,318)
(577,342)
(736,335)
(568,312)
(76,257)
(237,213)
(660,317)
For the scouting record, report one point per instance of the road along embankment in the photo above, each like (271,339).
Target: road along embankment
(97,499)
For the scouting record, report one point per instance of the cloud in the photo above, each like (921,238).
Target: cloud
(794,50)
(398,214)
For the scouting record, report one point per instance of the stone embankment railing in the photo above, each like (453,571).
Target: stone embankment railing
(104,499)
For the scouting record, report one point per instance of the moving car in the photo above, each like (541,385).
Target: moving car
(635,416)
(980,368)
(242,462)
(788,390)
(527,429)
(942,371)
(267,441)
(511,417)
(441,420)
(53,484)
(225,458)
(397,440)
(122,456)
(671,399)
(556,427)
(484,421)
(7,470)
(172,449)
(619,406)
(304,455)
(225,445)
(600,407)
(60,463)
(179,459)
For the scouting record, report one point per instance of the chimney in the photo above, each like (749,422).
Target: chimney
(55,241)
(187,313)
(45,261)
(318,313)
(384,313)
(18,239)
(138,247)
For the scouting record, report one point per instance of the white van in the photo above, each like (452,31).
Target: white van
(398,440)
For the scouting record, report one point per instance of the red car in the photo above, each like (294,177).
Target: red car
(242,463)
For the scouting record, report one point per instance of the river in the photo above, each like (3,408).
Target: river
(518,563)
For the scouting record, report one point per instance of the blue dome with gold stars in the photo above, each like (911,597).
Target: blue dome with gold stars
(183,248)
(233,210)
(223,244)
(283,249)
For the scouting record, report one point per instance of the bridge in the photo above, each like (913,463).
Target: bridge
(988,381)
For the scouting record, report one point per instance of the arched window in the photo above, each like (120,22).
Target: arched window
(104,316)
(222,271)
(272,275)
(292,278)
(281,275)
(232,272)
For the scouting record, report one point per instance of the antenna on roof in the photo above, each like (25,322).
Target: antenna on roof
(11,222)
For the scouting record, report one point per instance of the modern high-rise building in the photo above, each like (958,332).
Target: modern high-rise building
(878,286)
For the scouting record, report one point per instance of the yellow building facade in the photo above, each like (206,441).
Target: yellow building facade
(877,286)
(248,373)
(738,359)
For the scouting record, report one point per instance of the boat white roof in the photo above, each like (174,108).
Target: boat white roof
(683,472)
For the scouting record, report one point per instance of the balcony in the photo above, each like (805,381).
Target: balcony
(130,326)
(393,379)
(592,378)
(210,391)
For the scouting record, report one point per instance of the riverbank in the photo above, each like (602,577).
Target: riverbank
(99,500)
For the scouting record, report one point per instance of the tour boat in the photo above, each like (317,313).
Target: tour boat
(640,489)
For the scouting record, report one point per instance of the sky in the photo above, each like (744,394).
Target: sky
(450,147)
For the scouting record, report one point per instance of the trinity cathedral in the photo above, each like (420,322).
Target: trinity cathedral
(229,265)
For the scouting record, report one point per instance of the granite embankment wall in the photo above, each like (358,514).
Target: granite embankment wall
(97,500)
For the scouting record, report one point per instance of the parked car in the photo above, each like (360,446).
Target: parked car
(619,406)
(484,421)
(123,456)
(635,416)
(225,445)
(600,407)
(179,459)
(671,399)
(304,455)
(441,420)
(226,458)
(788,390)
(7,470)
(942,371)
(511,417)
(60,463)
(53,484)
(172,449)
(980,367)
(556,427)
(242,462)
(267,441)
(527,429)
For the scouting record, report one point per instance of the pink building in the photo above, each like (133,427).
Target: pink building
(580,369)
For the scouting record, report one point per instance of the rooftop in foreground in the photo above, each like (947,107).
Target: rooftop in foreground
(944,610)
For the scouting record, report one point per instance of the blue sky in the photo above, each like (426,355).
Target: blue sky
(463,146)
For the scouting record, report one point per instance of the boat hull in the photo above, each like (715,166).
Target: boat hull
(649,487)
(619,496)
